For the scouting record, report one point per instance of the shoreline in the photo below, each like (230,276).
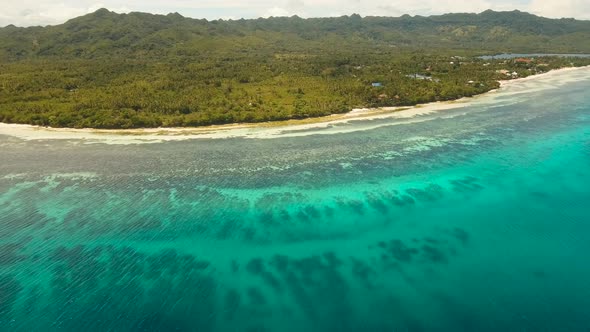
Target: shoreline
(257,130)
(505,83)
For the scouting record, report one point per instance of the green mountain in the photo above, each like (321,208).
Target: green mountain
(107,33)
(114,70)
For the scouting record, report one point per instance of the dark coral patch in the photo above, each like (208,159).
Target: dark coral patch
(255,266)
(466,184)
(256,297)
(401,251)
(301,215)
(267,218)
(332,260)
(433,254)
(9,291)
(461,235)
(312,212)
(357,207)
(362,271)
(401,200)
(397,250)
(280,262)
(376,203)
(329,211)
(285,216)
(9,254)
(231,303)
(431,193)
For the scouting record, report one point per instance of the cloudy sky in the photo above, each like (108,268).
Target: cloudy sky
(44,12)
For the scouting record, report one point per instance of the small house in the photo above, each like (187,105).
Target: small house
(377,84)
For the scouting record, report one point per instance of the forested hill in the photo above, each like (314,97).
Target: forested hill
(108,70)
(107,33)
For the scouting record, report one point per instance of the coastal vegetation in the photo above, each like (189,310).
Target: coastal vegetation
(108,70)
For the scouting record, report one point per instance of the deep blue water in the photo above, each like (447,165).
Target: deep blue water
(471,219)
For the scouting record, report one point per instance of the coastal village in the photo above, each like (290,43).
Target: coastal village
(495,69)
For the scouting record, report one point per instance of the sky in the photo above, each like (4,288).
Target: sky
(50,12)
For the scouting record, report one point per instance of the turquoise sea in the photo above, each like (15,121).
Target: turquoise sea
(469,219)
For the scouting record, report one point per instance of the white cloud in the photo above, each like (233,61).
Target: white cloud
(43,12)
(276,11)
(563,8)
(426,7)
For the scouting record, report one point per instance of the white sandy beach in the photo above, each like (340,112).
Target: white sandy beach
(324,125)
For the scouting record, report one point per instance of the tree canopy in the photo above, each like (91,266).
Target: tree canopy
(108,70)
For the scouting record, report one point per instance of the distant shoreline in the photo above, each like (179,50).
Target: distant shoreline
(137,135)
(504,83)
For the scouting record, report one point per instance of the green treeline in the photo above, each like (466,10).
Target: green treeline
(106,70)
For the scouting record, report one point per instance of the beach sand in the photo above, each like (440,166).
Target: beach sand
(323,125)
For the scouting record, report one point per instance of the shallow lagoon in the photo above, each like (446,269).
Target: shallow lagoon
(469,219)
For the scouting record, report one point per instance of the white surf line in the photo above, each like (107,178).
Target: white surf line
(334,124)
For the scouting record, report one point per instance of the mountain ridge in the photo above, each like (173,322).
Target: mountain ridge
(105,11)
(104,32)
